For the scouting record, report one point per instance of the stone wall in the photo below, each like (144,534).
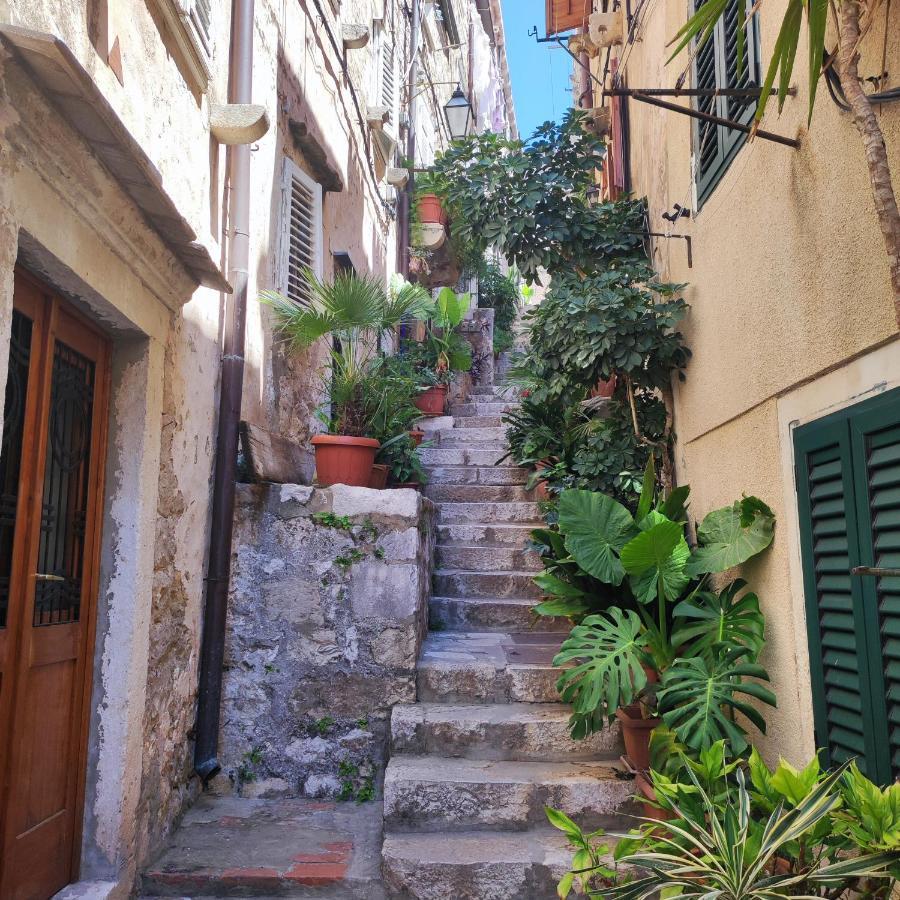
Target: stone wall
(327,613)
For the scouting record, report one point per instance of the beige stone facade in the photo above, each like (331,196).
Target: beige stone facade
(791,311)
(70,219)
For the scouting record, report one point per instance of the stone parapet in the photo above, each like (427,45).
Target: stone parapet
(327,613)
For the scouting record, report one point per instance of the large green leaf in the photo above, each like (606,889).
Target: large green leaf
(655,560)
(596,528)
(730,536)
(607,671)
(696,697)
(706,620)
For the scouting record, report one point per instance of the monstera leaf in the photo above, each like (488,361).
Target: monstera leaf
(655,560)
(607,671)
(596,528)
(696,698)
(708,620)
(730,536)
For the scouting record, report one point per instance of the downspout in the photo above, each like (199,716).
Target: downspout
(408,195)
(212,648)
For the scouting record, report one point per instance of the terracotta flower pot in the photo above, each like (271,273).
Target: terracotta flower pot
(605,387)
(431,211)
(413,485)
(540,490)
(432,401)
(417,435)
(344,460)
(636,734)
(644,787)
(379,476)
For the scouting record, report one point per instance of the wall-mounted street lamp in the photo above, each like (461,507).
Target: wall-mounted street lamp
(458,112)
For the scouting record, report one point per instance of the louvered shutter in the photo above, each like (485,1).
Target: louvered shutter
(302,235)
(201,18)
(389,79)
(848,484)
(564,15)
(716,66)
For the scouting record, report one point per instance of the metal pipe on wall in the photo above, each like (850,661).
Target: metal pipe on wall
(212,647)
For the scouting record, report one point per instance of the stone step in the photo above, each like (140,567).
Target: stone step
(432,793)
(476,865)
(463,456)
(477,474)
(484,408)
(487,559)
(507,731)
(485,535)
(461,583)
(237,847)
(488,667)
(450,437)
(477,493)
(490,513)
(490,614)
(477,421)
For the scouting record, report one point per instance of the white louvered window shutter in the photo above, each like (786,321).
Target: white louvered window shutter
(302,234)
(200,17)
(389,78)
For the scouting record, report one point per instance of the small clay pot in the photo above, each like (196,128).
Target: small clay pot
(430,210)
(636,734)
(432,401)
(344,460)
(644,787)
(414,485)
(540,491)
(378,479)
(417,436)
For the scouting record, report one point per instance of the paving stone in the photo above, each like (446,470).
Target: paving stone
(485,535)
(477,421)
(464,456)
(433,793)
(490,614)
(450,437)
(229,846)
(489,513)
(477,493)
(508,731)
(477,474)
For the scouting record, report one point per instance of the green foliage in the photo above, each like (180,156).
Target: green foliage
(530,199)
(324,725)
(588,867)
(357,781)
(730,536)
(246,773)
(330,520)
(346,560)
(403,461)
(499,291)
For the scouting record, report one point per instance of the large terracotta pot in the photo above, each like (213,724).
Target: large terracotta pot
(430,210)
(540,491)
(432,401)
(379,476)
(344,460)
(644,787)
(605,388)
(636,734)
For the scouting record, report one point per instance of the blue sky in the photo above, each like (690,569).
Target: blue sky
(540,72)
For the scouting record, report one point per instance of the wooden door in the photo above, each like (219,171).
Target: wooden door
(51,466)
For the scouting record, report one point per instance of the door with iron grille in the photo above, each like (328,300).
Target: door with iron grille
(848,487)
(51,465)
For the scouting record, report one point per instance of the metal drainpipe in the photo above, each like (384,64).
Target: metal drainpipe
(585,87)
(212,648)
(409,192)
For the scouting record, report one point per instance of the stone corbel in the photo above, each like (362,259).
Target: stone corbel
(607,29)
(355,37)
(582,43)
(396,177)
(430,235)
(238,123)
(376,116)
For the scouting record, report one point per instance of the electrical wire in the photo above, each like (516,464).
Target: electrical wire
(833,83)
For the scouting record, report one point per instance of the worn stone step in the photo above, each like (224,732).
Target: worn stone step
(237,847)
(432,793)
(477,422)
(477,474)
(488,667)
(490,614)
(508,731)
(463,456)
(477,493)
(487,559)
(483,408)
(490,513)
(485,535)
(461,583)
(456,436)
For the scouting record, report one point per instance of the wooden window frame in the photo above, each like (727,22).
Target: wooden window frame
(729,140)
(194,48)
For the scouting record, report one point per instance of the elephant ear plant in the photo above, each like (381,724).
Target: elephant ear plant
(656,614)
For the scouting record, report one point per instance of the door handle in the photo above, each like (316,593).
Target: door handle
(40,576)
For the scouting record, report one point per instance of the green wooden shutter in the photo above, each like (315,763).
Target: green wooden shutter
(715,146)
(848,486)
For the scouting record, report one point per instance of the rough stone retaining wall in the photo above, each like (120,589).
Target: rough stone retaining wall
(327,613)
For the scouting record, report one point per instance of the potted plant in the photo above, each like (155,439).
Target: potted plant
(648,607)
(404,464)
(355,312)
(429,209)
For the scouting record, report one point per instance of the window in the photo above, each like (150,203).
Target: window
(189,23)
(385,76)
(301,246)
(848,488)
(716,67)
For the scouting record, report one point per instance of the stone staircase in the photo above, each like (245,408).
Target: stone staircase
(486,747)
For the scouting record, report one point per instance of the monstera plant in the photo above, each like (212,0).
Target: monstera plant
(655,618)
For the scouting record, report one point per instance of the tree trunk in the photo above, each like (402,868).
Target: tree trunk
(876,153)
